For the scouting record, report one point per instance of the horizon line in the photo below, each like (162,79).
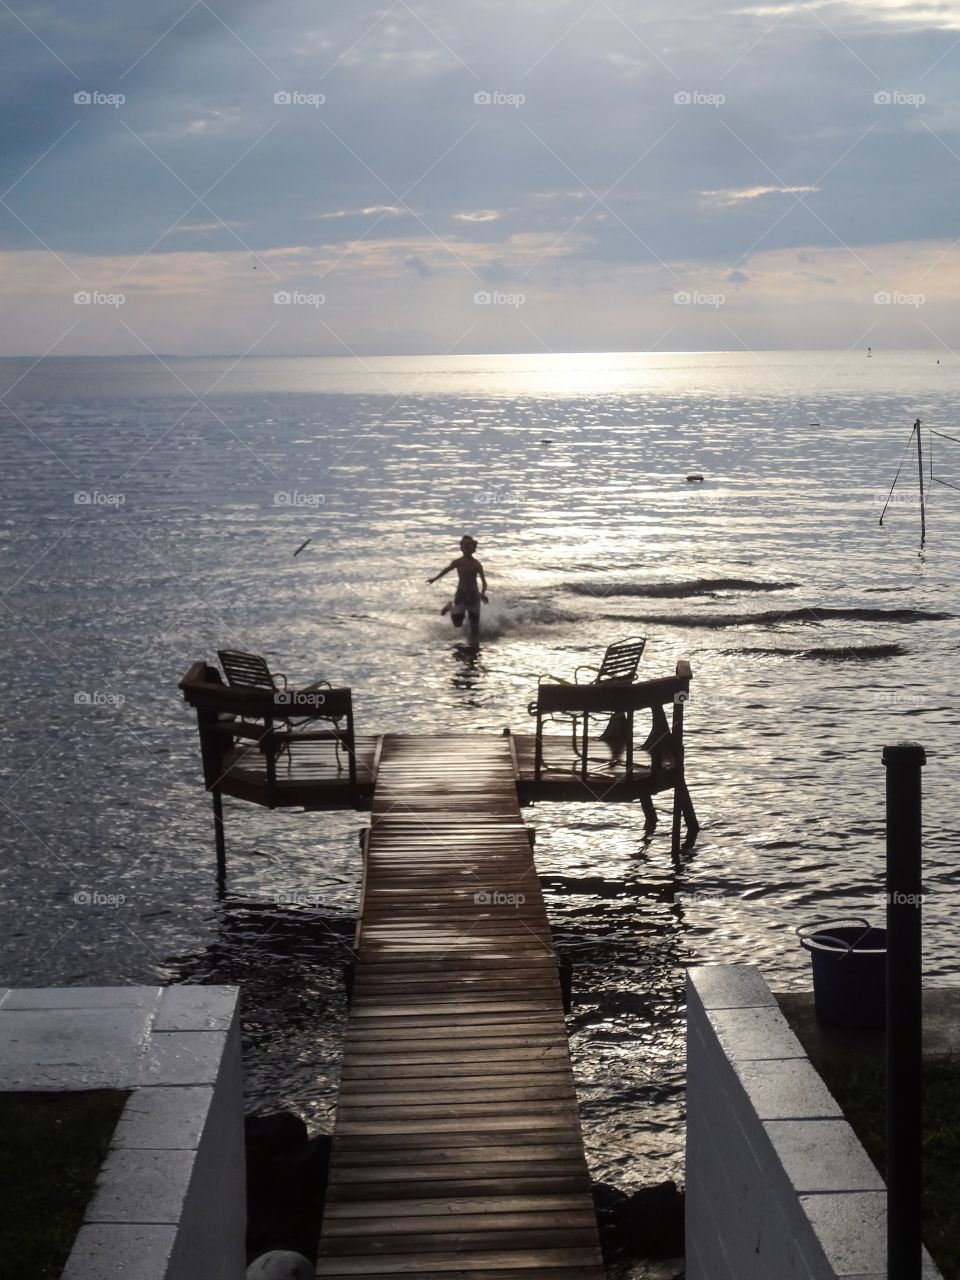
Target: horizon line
(440,355)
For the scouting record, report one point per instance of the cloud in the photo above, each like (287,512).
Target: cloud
(196,303)
(417,264)
(754,193)
(599,175)
(479,215)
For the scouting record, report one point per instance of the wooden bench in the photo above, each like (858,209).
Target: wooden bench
(253,749)
(663,742)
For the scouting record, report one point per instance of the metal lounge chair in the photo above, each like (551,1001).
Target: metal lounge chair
(250,671)
(619,666)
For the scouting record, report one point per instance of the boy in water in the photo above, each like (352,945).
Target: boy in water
(468,595)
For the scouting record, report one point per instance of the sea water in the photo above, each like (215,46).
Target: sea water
(150,513)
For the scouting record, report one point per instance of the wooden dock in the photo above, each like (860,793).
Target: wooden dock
(457,1150)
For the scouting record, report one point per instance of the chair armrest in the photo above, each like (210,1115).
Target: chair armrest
(576,674)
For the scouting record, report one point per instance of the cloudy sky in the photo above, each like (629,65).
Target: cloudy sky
(437,176)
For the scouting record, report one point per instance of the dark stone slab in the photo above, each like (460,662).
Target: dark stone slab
(941,1025)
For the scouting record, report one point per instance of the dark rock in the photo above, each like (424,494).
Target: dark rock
(286,1183)
(646,1224)
(282,1132)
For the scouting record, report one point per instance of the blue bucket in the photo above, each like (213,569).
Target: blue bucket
(849,960)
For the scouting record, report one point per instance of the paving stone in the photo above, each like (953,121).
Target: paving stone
(196,1008)
(71,1048)
(141,1186)
(106,1251)
(730,986)
(83,998)
(182,1057)
(789,1089)
(822,1155)
(754,1033)
(164,1118)
(851,1230)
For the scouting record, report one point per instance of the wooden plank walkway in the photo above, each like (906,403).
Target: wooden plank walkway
(457,1149)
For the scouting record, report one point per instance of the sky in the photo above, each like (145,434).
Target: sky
(436,177)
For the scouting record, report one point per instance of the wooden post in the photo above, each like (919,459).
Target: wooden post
(923,511)
(219,836)
(682,804)
(690,819)
(351,747)
(271,763)
(649,814)
(677,737)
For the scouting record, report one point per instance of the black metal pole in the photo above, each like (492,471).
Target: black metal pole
(903,763)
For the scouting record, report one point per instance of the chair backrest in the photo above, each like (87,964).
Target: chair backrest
(245,670)
(620,662)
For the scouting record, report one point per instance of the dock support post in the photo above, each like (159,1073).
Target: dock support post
(690,821)
(649,815)
(677,751)
(675,832)
(903,763)
(219,836)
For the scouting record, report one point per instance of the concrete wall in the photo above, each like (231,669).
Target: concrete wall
(170,1200)
(778,1186)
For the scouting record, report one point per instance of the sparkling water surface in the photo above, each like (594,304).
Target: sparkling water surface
(150,514)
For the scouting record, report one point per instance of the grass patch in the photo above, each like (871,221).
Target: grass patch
(53,1147)
(859,1085)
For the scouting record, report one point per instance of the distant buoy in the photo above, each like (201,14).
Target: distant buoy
(545,440)
(695,475)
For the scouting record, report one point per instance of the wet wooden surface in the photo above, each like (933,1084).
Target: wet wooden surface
(457,1149)
(606,780)
(310,774)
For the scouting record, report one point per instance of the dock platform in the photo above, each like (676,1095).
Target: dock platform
(457,1150)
